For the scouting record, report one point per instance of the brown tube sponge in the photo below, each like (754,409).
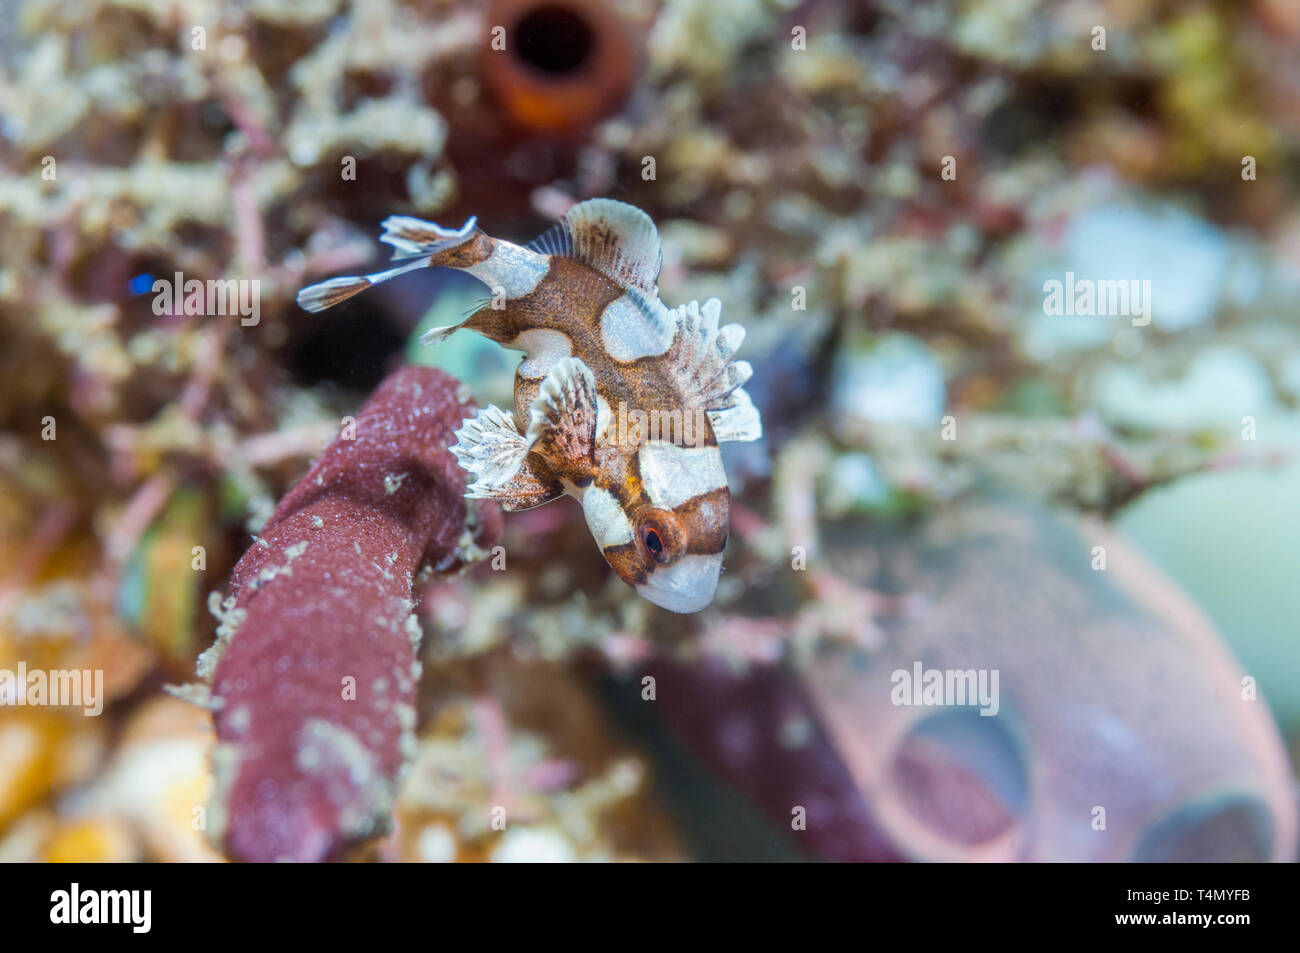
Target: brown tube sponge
(565,63)
(314,671)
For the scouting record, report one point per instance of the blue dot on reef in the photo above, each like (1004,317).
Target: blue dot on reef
(141,283)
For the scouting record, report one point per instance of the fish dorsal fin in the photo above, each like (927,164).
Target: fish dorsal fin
(614,238)
(701,358)
(740,421)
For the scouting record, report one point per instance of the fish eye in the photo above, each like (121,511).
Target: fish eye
(660,535)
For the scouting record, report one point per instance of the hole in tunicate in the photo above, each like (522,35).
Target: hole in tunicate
(961,774)
(1232,828)
(554,39)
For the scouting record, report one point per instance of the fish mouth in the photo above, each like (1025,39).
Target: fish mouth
(687,585)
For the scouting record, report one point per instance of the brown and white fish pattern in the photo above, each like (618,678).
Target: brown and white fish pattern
(620,401)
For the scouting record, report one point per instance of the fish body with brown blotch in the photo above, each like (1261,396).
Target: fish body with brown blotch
(620,401)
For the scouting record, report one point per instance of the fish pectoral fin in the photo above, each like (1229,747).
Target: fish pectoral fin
(563,416)
(490,448)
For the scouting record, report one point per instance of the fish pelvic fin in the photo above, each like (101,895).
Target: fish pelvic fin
(491,449)
(530,486)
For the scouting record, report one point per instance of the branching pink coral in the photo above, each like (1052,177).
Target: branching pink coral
(314,673)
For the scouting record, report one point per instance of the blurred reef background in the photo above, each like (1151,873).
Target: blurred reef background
(941,458)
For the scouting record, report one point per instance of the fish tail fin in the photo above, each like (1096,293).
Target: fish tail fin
(416,238)
(417,244)
(326,294)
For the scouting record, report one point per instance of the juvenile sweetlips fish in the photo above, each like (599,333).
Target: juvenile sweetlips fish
(620,401)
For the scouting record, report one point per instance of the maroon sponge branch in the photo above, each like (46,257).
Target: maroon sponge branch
(313,676)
